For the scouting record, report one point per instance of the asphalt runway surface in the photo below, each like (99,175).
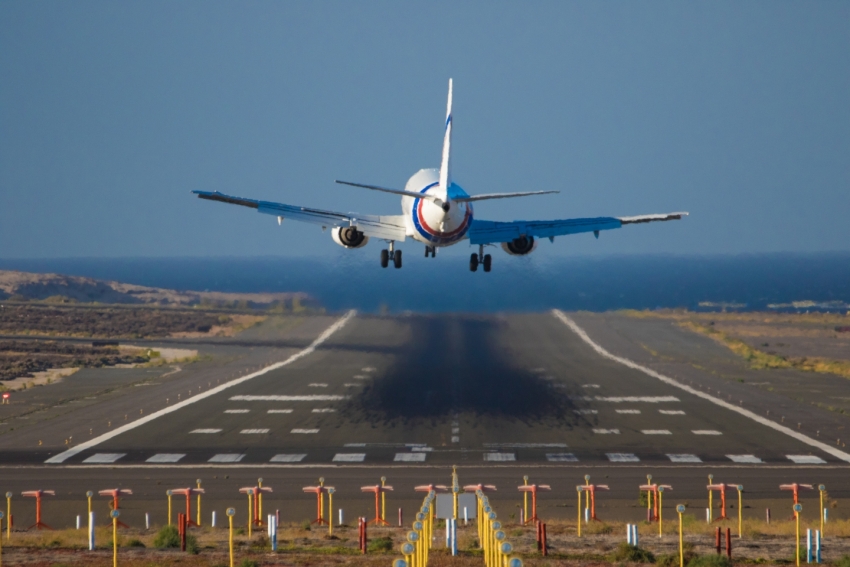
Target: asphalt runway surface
(410,396)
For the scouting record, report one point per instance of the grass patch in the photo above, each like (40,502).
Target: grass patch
(632,554)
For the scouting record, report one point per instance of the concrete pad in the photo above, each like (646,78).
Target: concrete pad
(349,457)
(500,457)
(746,459)
(683,458)
(410,457)
(291,458)
(227,458)
(561,458)
(806,459)
(104,458)
(165,458)
(622,457)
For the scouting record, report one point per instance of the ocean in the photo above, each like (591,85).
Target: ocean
(791,282)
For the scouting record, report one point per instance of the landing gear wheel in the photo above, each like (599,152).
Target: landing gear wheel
(427,251)
(385,258)
(397,259)
(487,262)
(473,263)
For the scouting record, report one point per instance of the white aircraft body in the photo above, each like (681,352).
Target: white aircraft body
(437,212)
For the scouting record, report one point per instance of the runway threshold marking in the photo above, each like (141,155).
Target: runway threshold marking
(837,453)
(745,459)
(326,334)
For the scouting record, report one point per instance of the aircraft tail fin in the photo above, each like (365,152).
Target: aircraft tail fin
(445,164)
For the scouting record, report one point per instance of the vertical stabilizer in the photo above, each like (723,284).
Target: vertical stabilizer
(445,164)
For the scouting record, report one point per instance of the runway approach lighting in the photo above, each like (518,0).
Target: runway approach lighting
(230,513)
(188,493)
(681,510)
(740,488)
(379,492)
(797,509)
(256,493)
(116,493)
(431,488)
(37,494)
(319,491)
(795,489)
(821,489)
(8,515)
(114,514)
(652,499)
(590,493)
(721,488)
(534,489)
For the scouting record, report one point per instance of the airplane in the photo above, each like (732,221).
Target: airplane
(438,213)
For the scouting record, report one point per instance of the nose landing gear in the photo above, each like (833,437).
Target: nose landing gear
(481,258)
(431,251)
(391,254)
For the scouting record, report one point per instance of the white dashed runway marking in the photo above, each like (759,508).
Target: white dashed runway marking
(410,457)
(104,457)
(499,457)
(236,411)
(253,431)
(349,457)
(527,445)
(294,458)
(227,458)
(656,432)
(806,459)
(304,431)
(455,439)
(166,458)
(323,410)
(279,411)
(360,377)
(351,445)
(745,459)
(586,411)
(671,412)
(561,458)
(607,431)
(628,411)
(683,458)
(207,430)
(590,385)
(310,398)
(706,432)
(317,385)
(351,385)
(622,457)
(629,399)
(368,369)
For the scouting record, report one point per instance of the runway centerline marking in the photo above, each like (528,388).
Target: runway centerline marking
(607,431)
(706,432)
(206,430)
(166,458)
(304,431)
(279,411)
(806,459)
(236,411)
(227,458)
(253,431)
(670,381)
(292,458)
(326,334)
(656,432)
(671,412)
(628,411)
(683,458)
(105,458)
(745,459)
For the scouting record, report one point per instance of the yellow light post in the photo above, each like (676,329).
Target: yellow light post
(587,493)
(383,500)
(797,509)
(648,497)
(710,497)
(115,514)
(413,539)
(230,513)
(455,489)
(578,519)
(821,489)
(660,509)
(169,494)
(741,511)
(89,495)
(250,514)
(681,510)
(260,503)
(499,536)
(198,482)
(407,549)
(525,501)
(1,543)
(8,515)
(420,538)
(321,495)
(331,491)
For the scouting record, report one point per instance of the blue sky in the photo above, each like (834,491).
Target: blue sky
(112,112)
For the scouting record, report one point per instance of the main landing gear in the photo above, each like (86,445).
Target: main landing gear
(391,254)
(480,258)
(431,251)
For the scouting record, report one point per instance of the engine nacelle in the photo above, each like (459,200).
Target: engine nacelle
(349,237)
(520,246)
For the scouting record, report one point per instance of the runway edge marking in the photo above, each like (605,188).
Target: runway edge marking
(326,334)
(667,380)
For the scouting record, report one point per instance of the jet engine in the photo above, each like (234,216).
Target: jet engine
(520,246)
(349,237)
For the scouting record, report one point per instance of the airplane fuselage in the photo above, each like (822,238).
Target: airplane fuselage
(427,221)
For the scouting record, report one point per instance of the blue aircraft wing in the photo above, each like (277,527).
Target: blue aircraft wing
(492,232)
(389,227)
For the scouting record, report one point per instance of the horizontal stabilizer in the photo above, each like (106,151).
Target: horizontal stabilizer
(652,218)
(488,196)
(394,191)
